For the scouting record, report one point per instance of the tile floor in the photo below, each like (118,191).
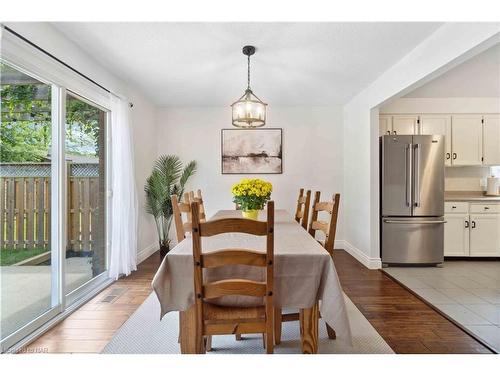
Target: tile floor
(468,292)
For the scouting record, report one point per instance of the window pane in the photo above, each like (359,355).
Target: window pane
(25,211)
(85,160)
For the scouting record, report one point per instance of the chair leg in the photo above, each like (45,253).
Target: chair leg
(264,340)
(269,344)
(277,326)
(238,337)
(331,332)
(208,343)
(180,329)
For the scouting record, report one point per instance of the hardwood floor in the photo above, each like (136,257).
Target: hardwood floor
(92,326)
(404,321)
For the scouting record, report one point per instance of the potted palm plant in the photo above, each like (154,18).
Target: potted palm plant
(168,177)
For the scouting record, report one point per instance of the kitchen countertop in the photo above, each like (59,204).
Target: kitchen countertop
(465,196)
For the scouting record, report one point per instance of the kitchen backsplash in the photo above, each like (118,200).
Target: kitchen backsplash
(466,178)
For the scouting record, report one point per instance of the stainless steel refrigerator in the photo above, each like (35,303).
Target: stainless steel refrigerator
(412,199)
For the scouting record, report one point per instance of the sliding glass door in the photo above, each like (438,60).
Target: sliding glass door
(53,201)
(28,255)
(85,135)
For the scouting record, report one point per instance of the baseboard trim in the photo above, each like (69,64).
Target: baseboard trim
(365,260)
(146,252)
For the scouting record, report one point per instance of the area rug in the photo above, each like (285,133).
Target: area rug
(144,333)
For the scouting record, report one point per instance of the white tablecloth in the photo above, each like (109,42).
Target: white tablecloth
(303,272)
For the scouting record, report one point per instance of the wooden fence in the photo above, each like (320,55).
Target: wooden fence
(25,212)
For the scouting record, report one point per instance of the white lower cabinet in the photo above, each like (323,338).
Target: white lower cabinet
(472,229)
(456,235)
(485,235)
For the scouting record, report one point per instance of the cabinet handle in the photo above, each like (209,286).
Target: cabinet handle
(453,206)
(486,208)
(473,224)
(467,223)
(395,132)
(448,156)
(388,132)
(454,156)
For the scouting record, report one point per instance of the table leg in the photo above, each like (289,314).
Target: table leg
(309,329)
(331,332)
(190,343)
(332,335)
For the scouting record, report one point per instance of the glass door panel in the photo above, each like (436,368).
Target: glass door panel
(27,273)
(85,135)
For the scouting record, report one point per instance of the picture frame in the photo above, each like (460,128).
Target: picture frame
(252,151)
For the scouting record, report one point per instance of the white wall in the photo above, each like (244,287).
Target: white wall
(447,47)
(143,112)
(144,139)
(466,178)
(312,152)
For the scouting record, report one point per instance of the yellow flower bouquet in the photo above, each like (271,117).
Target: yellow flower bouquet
(251,195)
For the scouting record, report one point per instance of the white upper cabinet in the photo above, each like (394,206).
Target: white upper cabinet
(467,139)
(491,140)
(438,124)
(404,124)
(385,125)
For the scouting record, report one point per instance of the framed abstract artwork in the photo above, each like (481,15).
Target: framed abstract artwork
(252,151)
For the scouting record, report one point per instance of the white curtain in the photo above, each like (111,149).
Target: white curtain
(123,257)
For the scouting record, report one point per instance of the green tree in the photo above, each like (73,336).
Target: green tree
(25,129)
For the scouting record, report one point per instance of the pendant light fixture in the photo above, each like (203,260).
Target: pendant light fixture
(249,111)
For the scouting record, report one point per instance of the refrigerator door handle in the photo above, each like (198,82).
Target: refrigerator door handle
(415,222)
(416,173)
(408,174)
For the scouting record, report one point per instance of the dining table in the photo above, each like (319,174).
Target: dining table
(305,279)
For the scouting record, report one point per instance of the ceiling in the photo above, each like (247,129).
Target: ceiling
(476,77)
(201,64)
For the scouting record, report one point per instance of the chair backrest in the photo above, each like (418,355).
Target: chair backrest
(184,226)
(302,211)
(181,226)
(329,227)
(198,198)
(233,256)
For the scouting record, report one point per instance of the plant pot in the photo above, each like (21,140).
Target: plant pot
(164,249)
(250,214)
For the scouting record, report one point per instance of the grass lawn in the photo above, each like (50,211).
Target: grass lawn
(9,256)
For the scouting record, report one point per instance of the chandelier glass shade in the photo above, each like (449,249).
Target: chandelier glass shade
(249,111)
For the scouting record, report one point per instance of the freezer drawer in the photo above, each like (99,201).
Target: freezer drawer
(412,240)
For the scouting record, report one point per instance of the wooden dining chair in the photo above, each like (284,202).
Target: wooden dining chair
(328,228)
(214,319)
(302,211)
(198,198)
(182,225)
